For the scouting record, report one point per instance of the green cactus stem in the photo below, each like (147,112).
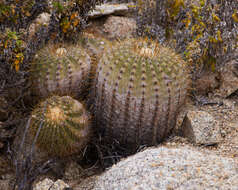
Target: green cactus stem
(60,70)
(65,126)
(139,87)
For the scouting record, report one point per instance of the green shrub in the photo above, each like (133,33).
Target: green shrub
(205,32)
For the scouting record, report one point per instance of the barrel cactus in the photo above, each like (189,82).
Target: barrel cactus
(138,89)
(61,70)
(63,125)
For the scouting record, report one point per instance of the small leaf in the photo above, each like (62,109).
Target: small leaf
(235,16)
(215,17)
(219,36)
(16,64)
(28,14)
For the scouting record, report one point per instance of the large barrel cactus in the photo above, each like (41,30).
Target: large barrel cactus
(63,126)
(139,87)
(61,70)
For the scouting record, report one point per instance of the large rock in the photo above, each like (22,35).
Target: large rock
(201,128)
(116,27)
(207,82)
(47,184)
(171,168)
(112,27)
(4,185)
(72,171)
(109,9)
(229,79)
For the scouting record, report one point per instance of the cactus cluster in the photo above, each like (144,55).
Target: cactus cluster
(139,87)
(60,69)
(65,126)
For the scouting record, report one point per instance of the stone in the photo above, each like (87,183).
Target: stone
(207,82)
(229,79)
(201,128)
(109,9)
(42,20)
(44,184)
(47,184)
(171,168)
(72,171)
(4,185)
(59,185)
(116,27)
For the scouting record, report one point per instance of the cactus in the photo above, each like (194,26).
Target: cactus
(65,127)
(61,70)
(138,89)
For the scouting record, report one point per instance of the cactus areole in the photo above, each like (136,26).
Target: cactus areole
(139,87)
(61,69)
(65,127)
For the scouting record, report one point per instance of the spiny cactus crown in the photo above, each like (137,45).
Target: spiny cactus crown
(60,69)
(65,126)
(138,66)
(139,88)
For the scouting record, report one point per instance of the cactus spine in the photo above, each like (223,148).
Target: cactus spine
(139,87)
(65,126)
(61,70)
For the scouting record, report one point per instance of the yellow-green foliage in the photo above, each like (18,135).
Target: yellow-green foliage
(71,15)
(11,48)
(15,10)
(204,31)
(70,20)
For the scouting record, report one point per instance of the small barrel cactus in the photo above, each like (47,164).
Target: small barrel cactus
(139,87)
(65,126)
(61,70)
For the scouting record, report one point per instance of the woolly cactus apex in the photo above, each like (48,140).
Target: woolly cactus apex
(139,87)
(65,127)
(61,70)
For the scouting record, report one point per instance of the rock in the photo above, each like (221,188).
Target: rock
(4,185)
(207,82)
(42,20)
(109,9)
(59,185)
(111,28)
(44,184)
(201,128)
(229,103)
(182,114)
(116,27)
(72,171)
(229,79)
(86,184)
(47,184)
(171,168)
